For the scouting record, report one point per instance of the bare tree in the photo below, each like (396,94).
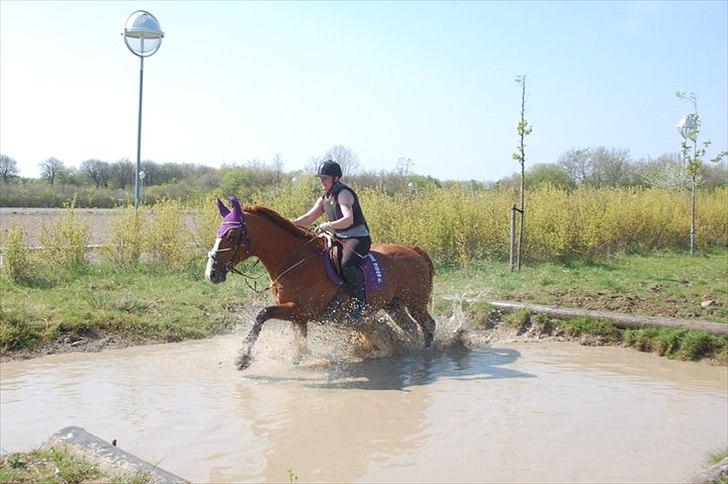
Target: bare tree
(404,166)
(97,171)
(8,168)
(121,173)
(611,167)
(277,166)
(577,163)
(51,169)
(346,158)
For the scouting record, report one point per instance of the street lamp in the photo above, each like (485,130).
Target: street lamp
(684,126)
(143,36)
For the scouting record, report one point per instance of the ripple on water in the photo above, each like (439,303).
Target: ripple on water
(448,413)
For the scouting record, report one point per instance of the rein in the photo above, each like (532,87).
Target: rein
(254,287)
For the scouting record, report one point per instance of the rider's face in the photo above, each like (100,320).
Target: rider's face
(327,181)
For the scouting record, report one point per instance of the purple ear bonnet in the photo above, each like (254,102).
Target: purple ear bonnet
(232,219)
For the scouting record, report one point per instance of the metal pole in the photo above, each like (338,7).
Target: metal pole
(137,181)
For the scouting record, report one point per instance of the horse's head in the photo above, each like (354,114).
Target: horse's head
(231,245)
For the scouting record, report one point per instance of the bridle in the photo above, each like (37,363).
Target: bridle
(243,243)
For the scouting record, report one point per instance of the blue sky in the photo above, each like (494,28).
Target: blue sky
(430,81)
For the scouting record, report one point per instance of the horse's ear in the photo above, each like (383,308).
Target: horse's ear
(236,205)
(222,208)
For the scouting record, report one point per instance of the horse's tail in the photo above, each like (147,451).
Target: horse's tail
(429,261)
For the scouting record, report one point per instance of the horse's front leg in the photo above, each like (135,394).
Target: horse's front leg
(282,311)
(299,350)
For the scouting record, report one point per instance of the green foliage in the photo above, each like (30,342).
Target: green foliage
(717,456)
(682,344)
(64,242)
(457,225)
(38,193)
(518,320)
(16,256)
(167,237)
(126,241)
(135,303)
(175,190)
(18,330)
(207,220)
(589,326)
(49,465)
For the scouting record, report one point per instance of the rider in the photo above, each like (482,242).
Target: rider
(341,206)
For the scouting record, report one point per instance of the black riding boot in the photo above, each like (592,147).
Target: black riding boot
(354,281)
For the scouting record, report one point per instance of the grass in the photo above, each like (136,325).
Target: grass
(665,284)
(136,304)
(49,465)
(717,456)
(150,303)
(680,344)
(58,465)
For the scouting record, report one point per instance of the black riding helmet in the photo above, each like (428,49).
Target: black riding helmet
(330,168)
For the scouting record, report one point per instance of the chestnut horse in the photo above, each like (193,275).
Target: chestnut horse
(294,259)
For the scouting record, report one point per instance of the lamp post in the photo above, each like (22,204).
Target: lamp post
(685,128)
(143,36)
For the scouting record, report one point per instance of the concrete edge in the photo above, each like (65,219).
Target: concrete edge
(107,457)
(619,319)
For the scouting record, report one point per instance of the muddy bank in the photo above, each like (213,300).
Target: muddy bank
(483,324)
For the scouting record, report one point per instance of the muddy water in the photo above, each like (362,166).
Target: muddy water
(514,412)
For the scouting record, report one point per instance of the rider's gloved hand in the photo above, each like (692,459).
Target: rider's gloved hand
(324,227)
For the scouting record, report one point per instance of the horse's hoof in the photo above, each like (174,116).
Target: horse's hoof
(428,339)
(242,361)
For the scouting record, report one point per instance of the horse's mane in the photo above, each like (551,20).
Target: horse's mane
(278,219)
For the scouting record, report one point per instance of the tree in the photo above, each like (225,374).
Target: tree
(523,129)
(8,168)
(690,131)
(577,163)
(277,166)
(51,169)
(548,173)
(346,158)
(666,171)
(121,173)
(97,171)
(611,167)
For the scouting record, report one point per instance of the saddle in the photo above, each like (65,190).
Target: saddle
(371,266)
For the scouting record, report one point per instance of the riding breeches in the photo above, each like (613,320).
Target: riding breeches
(354,251)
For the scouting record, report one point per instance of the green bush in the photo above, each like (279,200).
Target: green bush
(16,256)
(64,242)
(127,237)
(167,238)
(459,225)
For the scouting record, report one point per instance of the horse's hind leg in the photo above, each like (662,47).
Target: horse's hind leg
(396,311)
(423,318)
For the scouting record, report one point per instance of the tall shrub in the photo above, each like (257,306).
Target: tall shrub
(64,242)
(16,256)
(126,242)
(167,237)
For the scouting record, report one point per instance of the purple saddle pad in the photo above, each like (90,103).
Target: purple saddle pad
(373,274)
